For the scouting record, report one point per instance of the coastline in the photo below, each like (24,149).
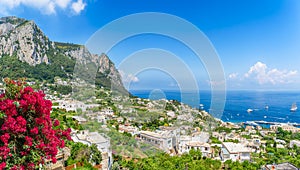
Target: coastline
(237,103)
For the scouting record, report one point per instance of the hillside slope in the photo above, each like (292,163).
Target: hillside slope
(25,51)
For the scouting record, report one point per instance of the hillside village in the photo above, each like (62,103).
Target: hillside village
(168,126)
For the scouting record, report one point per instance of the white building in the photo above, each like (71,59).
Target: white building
(285,127)
(100,140)
(73,105)
(281,166)
(70,105)
(80,119)
(89,106)
(166,140)
(171,114)
(253,144)
(161,141)
(197,141)
(294,142)
(280,141)
(219,136)
(235,152)
(129,129)
(182,143)
(200,137)
(203,147)
(107,111)
(101,119)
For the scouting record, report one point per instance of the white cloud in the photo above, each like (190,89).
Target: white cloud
(63,3)
(233,75)
(9,3)
(78,6)
(49,8)
(128,78)
(264,75)
(45,6)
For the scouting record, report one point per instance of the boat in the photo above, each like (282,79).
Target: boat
(266,107)
(201,106)
(251,123)
(249,110)
(294,107)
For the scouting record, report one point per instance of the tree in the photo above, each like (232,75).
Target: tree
(28,135)
(79,153)
(195,154)
(96,155)
(115,166)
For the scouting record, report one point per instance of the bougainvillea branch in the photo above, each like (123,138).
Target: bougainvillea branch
(27,133)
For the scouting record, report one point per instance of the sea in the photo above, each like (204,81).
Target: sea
(269,106)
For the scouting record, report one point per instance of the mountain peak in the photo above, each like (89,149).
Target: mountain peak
(24,40)
(12,20)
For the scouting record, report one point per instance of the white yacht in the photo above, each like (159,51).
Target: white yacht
(266,107)
(294,107)
(201,106)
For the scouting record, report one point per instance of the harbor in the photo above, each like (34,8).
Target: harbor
(267,124)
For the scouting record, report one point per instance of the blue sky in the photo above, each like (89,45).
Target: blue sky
(257,40)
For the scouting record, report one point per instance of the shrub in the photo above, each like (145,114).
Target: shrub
(28,135)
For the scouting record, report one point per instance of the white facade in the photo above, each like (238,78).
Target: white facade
(203,147)
(101,119)
(171,114)
(285,127)
(79,119)
(107,111)
(70,105)
(73,105)
(182,143)
(129,129)
(162,142)
(197,141)
(235,152)
(294,142)
(166,139)
(200,137)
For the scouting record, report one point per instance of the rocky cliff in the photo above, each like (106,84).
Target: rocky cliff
(108,69)
(25,41)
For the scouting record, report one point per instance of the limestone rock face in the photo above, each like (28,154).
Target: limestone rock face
(108,68)
(80,54)
(24,39)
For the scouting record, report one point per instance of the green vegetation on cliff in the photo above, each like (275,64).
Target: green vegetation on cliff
(61,66)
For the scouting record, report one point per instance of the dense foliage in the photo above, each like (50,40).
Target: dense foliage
(80,153)
(59,66)
(61,89)
(84,154)
(11,66)
(28,135)
(192,160)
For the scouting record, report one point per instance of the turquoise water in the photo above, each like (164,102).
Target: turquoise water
(237,103)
